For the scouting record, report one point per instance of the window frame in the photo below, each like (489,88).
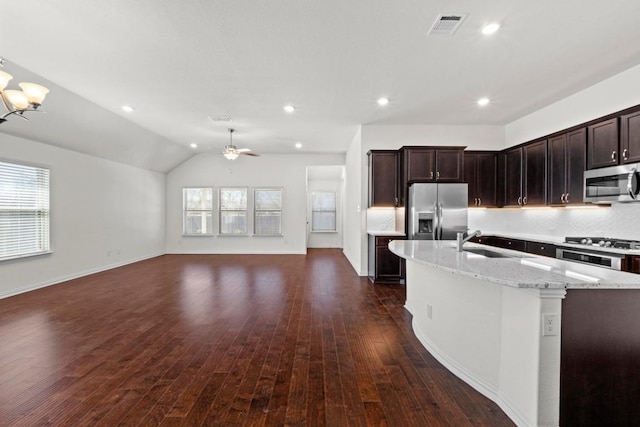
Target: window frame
(185,211)
(335,212)
(256,210)
(41,213)
(245,210)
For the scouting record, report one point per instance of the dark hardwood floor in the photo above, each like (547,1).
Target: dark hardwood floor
(225,340)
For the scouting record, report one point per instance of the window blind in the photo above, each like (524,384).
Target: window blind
(198,210)
(323,211)
(24,210)
(268,212)
(233,210)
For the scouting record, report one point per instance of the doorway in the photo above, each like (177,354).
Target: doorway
(325,192)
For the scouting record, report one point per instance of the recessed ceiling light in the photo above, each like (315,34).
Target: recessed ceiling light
(490,28)
(298,145)
(193,145)
(289,108)
(128,108)
(483,101)
(383,101)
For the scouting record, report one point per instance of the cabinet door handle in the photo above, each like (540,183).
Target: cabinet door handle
(625,154)
(524,200)
(520,200)
(613,156)
(479,201)
(566,198)
(431,175)
(438,175)
(475,201)
(563,198)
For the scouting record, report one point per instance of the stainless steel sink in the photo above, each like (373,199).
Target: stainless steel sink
(490,254)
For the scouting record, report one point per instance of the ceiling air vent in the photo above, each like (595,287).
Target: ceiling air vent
(220,118)
(446,24)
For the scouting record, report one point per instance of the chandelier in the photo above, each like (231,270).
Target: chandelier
(19,102)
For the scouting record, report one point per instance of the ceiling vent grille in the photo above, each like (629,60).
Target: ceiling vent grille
(220,118)
(446,24)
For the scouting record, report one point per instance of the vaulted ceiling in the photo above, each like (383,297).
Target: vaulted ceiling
(181,63)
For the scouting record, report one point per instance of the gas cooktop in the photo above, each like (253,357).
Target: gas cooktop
(604,242)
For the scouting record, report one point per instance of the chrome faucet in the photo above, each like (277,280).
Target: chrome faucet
(461,240)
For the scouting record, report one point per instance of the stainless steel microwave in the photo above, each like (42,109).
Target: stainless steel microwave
(612,184)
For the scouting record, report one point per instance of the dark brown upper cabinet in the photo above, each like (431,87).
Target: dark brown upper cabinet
(480,172)
(630,137)
(567,156)
(602,144)
(525,175)
(535,173)
(512,160)
(431,164)
(383,178)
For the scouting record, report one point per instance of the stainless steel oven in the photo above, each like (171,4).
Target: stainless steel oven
(601,259)
(612,184)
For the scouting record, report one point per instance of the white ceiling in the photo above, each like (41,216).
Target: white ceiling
(180,62)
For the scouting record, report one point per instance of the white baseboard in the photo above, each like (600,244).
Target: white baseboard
(355,267)
(75,275)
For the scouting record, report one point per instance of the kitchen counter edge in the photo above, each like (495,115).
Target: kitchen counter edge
(519,271)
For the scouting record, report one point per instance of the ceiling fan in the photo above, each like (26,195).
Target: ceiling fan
(231,152)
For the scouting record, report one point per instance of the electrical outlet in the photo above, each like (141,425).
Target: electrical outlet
(429,311)
(550,324)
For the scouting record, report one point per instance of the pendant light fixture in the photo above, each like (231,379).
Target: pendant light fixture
(17,102)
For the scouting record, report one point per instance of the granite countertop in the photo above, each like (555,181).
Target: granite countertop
(519,270)
(386,233)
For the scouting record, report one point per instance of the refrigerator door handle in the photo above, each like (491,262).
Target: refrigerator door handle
(439,210)
(436,222)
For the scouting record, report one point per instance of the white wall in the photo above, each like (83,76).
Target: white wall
(613,94)
(355,206)
(395,136)
(103,214)
(270,170)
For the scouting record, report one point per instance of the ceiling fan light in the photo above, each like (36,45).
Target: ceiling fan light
(4,79)
(35,93)
(231,155)
(17,98)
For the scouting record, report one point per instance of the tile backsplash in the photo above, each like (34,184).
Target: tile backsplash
(385,219)
(617,221)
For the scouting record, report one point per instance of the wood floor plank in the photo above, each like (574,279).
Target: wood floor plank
(259,340)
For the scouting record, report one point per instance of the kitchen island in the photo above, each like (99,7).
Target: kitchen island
(493,317)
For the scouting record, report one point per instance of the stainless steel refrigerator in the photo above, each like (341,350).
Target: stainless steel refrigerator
(436,211)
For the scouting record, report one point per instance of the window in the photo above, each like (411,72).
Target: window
(198,211)
(268,211)
(233,211)
(323,211)
(24,210)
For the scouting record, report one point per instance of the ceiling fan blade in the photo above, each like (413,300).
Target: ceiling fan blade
(249,153)
(242,150)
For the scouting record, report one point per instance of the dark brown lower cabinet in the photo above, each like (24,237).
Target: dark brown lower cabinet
(384,265)
(600,358)
(544,249)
